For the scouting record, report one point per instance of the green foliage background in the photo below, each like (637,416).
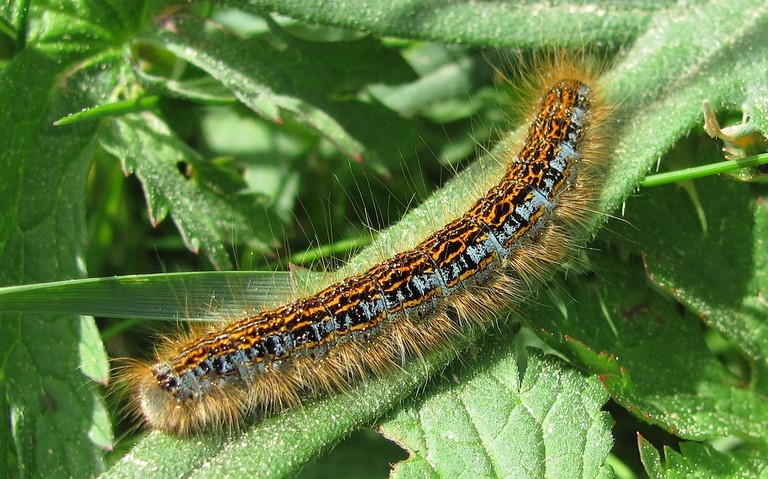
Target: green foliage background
(257,128)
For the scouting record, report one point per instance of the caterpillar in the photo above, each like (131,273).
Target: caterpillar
(371,322)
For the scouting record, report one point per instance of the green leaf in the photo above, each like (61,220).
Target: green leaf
(696,261)
(49,362)
(689,252)
(622,331)
(446,74)
(703,461)
(146,146)
(489,24)
(72,30)
(297,79)
(205,90)
(484,417)
(667,104)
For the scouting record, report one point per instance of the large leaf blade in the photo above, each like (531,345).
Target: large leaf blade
(483,420)
(49,363)
(202,211)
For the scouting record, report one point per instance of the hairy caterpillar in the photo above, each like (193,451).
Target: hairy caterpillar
(411,302)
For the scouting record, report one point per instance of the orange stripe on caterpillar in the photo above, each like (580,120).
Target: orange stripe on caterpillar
(400,307)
